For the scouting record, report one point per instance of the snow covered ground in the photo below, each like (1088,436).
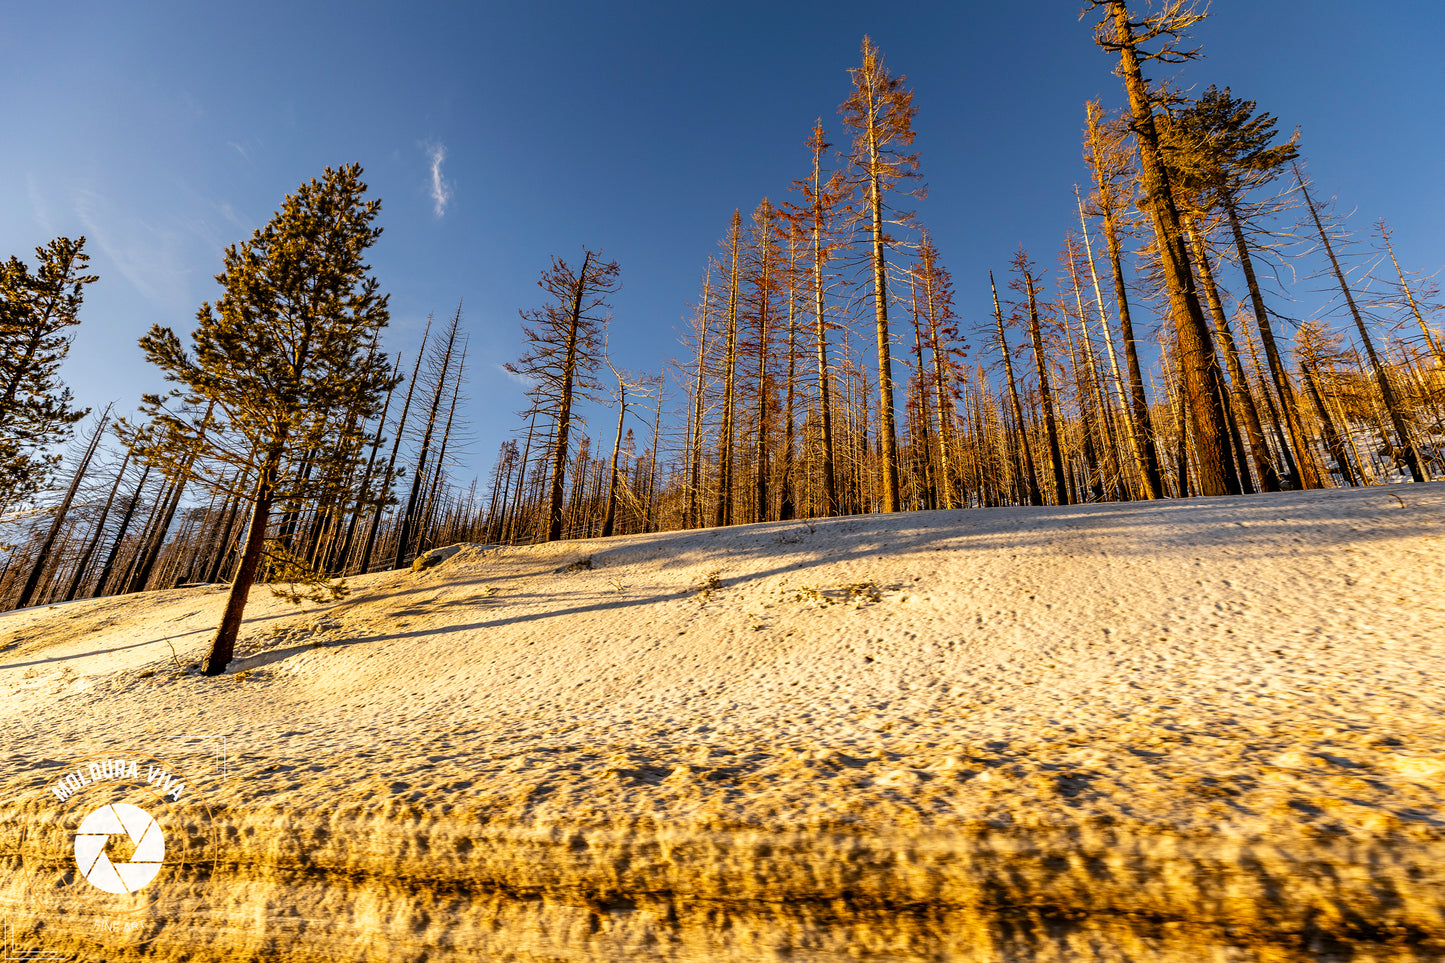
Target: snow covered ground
(1209,729)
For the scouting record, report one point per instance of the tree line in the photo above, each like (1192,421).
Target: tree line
(826,369)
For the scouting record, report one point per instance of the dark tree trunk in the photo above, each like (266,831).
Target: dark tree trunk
(1243,399)
(1148,454)
(1308,471)
(223,646)
(42,555)
(1046,396)
(564,409)
(382,495)
(1201,375)
(609,520)
(1327,428)
(723,513)
(1031,475)
(695,432)
(825,400)
(84,565)
(125,521)
(409,519)
(1387,393)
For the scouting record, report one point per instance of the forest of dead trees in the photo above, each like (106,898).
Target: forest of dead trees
(826,370)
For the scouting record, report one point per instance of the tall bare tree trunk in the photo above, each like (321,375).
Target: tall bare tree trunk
(825,400)
(786,509)
(946,467)
(1146,454)
(426,531)
(1243,399)
(1035,496)
(609,520)
(1201,375)
(89,554)
(1134,428)
(723,514)
(338,560)
(124,527)
(1327,428)
(1430,340)
(1309,471)
(42,555)
(1046,395)
(511,523)
(1387,393)
(409,518)
(761,448)
(395,447)
(1095,379)
(648,516)
(694,488)
(1281,435)
(924,421)
(887,426)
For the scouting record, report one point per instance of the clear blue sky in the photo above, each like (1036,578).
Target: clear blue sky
(163,132)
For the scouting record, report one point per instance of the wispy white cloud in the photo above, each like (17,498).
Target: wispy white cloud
(441,191)
(38,209)
(151,257)
(522,380)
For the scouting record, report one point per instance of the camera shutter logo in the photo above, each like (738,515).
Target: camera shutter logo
(116,819)
(124,850)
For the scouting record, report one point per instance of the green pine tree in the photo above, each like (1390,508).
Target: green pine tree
(37,311)
(286,358)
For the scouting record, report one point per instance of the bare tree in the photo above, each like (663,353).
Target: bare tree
(564,337)
(1397,414)
(880,113)
(1119,33)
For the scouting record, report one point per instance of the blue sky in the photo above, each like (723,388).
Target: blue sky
(163,132)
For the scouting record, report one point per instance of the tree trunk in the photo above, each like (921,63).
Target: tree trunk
(647,521)
(1430,340)
(1327,428)
(723,514)
(610,519)
(1141,446)
(1387,393)
(1148,454)
(887,427)
(1308,471)
(1243,399)
(89,554)
(825,401)
(786,509)
(152,550)
(1096,386)
(1201,374)
(428,530)
(1046,396)
(408,519)
(223,547)
(124,527)
(1281,437)
(1035,496)
(43,554)
(760,444)
(339,558)
(694,488)
(223,646)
